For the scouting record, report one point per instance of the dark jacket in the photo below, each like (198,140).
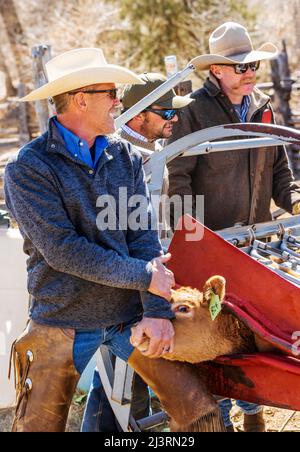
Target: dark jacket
(226,179)
(80,275)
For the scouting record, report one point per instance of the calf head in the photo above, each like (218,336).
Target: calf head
(198,338)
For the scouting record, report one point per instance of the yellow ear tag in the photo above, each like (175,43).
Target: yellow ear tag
(215,306)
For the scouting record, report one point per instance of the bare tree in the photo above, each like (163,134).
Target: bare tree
(9,89)
(278,20)
(15,35)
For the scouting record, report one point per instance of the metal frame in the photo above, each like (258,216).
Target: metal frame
(117,383)
(239,236)
(202,143)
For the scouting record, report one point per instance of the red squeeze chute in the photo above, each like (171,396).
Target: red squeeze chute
(266,302)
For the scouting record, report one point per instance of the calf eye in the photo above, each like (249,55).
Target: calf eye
(183,309)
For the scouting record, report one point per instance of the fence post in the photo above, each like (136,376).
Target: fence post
(282,83)
(40,55)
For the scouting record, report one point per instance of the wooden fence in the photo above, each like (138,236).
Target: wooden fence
(282,89)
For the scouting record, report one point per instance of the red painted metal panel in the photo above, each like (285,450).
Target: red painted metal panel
(269,304)
(265,379)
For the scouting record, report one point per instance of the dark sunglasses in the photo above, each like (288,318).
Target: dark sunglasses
(112,92)
(167,115)
(242,68)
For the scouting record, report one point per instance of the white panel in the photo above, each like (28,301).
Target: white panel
(13,304)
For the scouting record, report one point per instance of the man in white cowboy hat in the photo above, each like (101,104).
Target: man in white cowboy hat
(144,132)
(238,186)
(92,273)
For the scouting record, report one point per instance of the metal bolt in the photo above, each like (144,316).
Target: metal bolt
(30,356)
(28,384)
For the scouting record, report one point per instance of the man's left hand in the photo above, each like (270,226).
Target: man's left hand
(296,208)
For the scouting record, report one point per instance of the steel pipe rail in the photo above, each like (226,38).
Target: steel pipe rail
(285,135)
(155,164)
(240,236)
(120,408)
(232,145)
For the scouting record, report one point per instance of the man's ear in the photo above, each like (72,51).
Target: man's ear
(141,116)
(216,71)
(137,121)
(80,102)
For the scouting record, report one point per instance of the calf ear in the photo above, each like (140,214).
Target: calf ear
(216,284)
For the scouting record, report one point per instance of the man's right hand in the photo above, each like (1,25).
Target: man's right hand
(162,279)
(153,337)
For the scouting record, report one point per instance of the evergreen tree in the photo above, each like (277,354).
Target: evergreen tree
(156,28)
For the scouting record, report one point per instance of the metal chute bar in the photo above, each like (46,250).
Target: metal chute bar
(240,235)
(278,255)
(106,371)
(184,144)
(201,142)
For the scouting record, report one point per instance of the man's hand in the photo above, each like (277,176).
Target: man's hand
(296,208)
(156,335)
(162,279)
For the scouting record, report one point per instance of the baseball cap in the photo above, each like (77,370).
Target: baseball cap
(133,93)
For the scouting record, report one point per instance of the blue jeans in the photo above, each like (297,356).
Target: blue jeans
(246,407)
(98,414)
(116,338)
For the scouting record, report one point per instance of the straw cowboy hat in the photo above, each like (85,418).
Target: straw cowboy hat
(231,44)
(78,68)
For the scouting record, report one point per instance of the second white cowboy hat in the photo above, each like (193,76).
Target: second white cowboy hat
(78,68)
(231,44)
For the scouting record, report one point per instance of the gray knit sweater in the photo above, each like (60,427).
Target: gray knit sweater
(79,276)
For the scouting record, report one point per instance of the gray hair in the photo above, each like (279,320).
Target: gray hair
(61,102)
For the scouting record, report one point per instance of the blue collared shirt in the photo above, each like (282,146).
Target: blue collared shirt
(79,148)
(242,110)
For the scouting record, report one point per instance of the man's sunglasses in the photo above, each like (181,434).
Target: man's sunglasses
(112,92)
(167,115)
(242,68)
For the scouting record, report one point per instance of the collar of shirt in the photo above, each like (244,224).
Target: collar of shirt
(244,108)
(79,148)
(133,134)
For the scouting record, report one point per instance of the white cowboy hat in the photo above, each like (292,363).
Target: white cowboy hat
(231,44)
(78,68)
